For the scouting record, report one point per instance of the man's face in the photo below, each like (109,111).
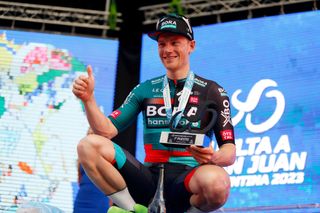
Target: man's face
(174,51)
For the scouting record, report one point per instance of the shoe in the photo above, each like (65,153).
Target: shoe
(138,208)
(115,209)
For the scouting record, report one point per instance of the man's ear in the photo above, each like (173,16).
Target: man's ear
(192,46)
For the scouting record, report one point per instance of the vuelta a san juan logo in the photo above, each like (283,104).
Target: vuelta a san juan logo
(264,159)
(246,108)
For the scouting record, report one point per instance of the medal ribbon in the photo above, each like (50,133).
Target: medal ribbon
(183,98)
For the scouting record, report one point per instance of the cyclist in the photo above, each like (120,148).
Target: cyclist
(194,178)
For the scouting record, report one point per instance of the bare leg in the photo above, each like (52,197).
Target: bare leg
(210,186)
(96,154)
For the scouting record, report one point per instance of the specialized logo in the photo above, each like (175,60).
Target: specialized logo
(246,108)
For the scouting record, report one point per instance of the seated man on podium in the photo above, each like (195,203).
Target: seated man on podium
(182,112)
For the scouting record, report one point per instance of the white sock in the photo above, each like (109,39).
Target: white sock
(123,199)
(194,210)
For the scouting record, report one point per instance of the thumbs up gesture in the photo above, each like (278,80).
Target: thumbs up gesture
(83,86)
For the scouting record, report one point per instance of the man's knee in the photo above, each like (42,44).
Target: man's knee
(219,193)
(85,145)
(91,146)
(214,184)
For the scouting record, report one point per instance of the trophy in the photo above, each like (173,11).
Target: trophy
(158,204)
(186,136)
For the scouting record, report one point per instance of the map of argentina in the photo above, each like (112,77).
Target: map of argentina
(41,123)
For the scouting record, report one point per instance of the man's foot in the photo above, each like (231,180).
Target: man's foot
(137,209)
(115,209)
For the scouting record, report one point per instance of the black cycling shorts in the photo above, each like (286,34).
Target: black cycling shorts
(142,182)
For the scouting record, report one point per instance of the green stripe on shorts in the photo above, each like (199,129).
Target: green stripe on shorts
(120,157)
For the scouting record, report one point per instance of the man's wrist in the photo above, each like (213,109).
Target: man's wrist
(215,158)
(90,100)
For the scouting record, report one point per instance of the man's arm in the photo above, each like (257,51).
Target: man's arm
(83,88)
(225,156)
(223,130)
(99,123)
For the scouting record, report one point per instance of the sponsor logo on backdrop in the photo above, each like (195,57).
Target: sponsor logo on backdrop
(263,158)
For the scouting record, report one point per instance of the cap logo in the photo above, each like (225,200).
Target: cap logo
(168,24)
(173,23)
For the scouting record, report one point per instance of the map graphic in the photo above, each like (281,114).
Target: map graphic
(41,122)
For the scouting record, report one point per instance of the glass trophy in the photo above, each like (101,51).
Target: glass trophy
(186,136)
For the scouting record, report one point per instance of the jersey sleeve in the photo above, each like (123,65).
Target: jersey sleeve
(223,128)
(128,111)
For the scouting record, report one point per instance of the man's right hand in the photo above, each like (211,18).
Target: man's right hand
(83,86)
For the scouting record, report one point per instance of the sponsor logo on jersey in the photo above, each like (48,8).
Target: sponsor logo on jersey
(157,80)
(222,92)
(156,116)
(157,90)
(163,122)
(168,24)
(160,111)
(129,97)
(226,113)
(194,100)
(226,134)
(115,114)
(200,82)
(197,93)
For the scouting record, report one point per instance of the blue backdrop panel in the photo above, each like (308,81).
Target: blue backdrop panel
(270,69)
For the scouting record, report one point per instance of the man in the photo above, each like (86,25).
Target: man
(194,178)
(89,198)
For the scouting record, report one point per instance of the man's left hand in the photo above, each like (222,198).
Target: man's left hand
(203,155)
